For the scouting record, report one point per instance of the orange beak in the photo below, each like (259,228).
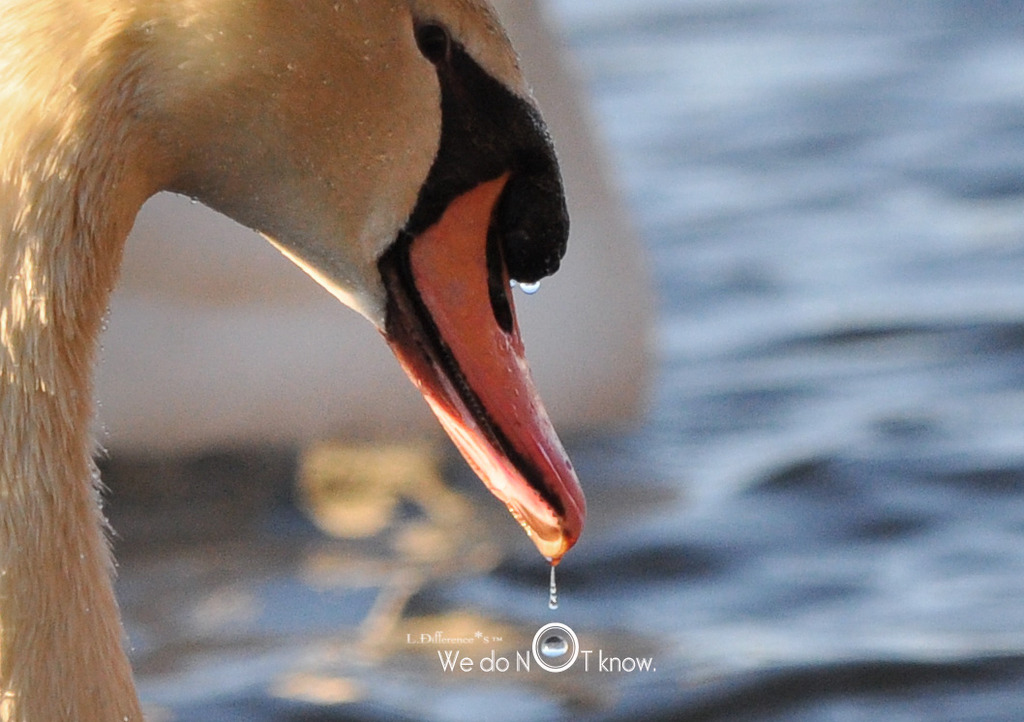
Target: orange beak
(451,323)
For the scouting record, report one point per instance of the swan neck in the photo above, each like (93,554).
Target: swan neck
(68,197)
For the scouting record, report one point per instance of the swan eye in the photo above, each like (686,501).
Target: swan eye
(434,42)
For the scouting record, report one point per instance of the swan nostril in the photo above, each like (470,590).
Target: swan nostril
(498,290)
(498,281)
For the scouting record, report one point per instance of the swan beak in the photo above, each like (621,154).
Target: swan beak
(451,323)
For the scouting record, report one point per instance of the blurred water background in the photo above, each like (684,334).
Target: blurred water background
(822,516)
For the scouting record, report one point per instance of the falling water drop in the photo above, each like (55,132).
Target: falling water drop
(553,591)
(554,646)
(530,288)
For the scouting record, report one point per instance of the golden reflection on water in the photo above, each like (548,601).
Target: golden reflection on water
(394,491)
(396,494)
(317,619)
(318,689)
(352,492)
(339,482)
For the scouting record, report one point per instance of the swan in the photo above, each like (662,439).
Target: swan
(390,148)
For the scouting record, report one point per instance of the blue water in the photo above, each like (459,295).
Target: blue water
(822,516)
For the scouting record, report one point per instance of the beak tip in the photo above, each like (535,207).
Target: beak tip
(554,538)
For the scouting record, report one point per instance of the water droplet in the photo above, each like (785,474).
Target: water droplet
(554,646)
(553,591)
(529,288)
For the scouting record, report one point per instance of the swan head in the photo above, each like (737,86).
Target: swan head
(391,149)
